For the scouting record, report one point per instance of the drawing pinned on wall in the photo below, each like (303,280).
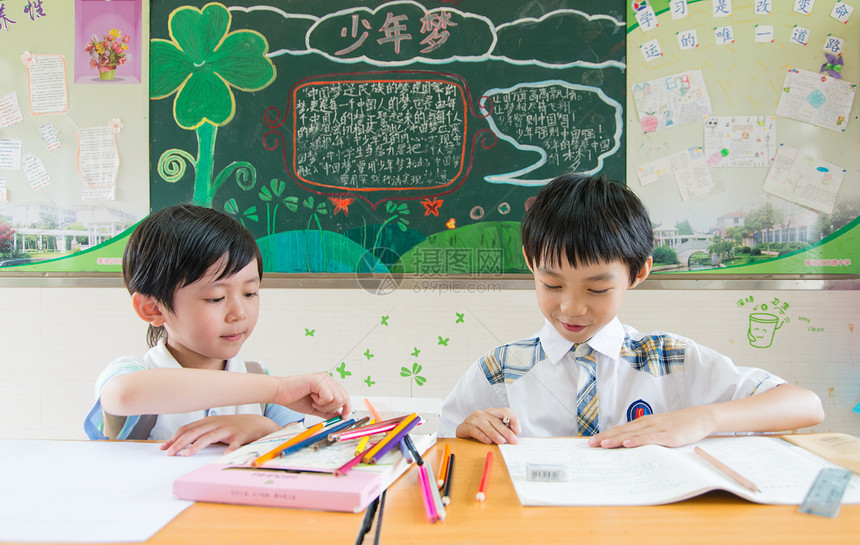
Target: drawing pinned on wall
(819,100)
(764,320)
(109,44)
(799,35)
(804,7)
(721,8)
(10,153)
(646,17)
(764,34)
(803,179)
(49,135)
(98,161)
(666,102)
(35,171)
(740,141)
(764,7)
(651,50)
(688,39)
(679,9)
(414,377)
(833,44)
(724,35)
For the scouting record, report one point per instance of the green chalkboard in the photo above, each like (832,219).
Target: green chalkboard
(388,136)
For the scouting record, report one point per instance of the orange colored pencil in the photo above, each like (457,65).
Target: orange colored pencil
(274,452)
(443,466)
(372,410)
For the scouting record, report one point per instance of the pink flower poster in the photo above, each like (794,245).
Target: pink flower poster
(108,41)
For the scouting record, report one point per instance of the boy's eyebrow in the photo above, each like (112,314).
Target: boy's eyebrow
(599,277)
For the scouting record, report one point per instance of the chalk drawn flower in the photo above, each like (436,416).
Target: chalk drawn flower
(202,63)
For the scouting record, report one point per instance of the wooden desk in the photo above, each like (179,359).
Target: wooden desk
(713,518)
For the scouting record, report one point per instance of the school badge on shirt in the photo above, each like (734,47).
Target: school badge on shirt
(638,409)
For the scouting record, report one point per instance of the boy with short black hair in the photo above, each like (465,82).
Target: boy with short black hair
(588,241)
(194,276)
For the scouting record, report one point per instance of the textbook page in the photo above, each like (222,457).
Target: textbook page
(653,475)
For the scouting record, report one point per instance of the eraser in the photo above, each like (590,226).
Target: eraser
(548,473)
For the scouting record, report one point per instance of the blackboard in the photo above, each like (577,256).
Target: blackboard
(387,137)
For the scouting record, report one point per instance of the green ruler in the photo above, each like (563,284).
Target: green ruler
(825,495)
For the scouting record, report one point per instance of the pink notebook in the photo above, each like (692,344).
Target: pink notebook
(277,483)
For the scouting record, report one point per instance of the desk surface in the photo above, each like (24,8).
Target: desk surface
(715,517)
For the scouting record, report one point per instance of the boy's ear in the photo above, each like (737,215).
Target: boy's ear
(643,272)
(527,260)
(148,309)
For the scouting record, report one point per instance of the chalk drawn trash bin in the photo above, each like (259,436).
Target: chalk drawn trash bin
(763,327)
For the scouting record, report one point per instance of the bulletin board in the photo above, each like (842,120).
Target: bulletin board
(72,178)
(755,130)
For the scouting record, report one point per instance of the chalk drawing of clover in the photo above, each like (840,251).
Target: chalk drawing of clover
(419,380)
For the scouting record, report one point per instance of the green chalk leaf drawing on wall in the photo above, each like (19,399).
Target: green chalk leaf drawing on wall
(201,63)
(413,373)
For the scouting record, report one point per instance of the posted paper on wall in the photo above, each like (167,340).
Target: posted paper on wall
(35,171)
(663,103)
(801,178)
(10,153)
(816,98)
(98,161)
(10,111)
(691,172)
(47,83)
(740,141)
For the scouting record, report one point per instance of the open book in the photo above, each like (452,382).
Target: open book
(303,479)
(653,475)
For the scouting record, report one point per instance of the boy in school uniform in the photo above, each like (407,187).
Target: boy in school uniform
(587,241)
(194,276)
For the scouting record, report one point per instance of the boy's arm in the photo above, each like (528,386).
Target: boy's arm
(784,407)
(166,391)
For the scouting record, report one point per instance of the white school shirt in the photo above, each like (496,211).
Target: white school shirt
(637,374)
(158,357)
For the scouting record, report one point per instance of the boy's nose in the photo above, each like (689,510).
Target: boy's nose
(572,307)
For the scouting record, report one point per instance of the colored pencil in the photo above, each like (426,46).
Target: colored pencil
(379,517)
(446,490)
(342,470)
(315,438)
(321,439)
(429,504)
(372,410)
(443,465)
(485,478)
(404,450)
(389,436)
(415,454)
(370,429)
(434,493)
(391,440)
(300,437)
(363,443)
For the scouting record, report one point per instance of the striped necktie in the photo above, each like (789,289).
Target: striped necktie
(586,397)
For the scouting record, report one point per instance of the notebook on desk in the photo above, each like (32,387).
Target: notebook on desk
(304,479)
(651,475)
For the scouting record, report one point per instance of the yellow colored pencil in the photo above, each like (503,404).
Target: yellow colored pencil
(363,443)
(378,446)
(274,452)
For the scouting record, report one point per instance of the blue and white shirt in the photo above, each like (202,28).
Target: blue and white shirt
(637,373)
(158,357)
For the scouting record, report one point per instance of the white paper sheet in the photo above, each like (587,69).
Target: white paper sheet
(10,111)
(817,99)
(740,140)
(798,177)
(666,102)
(48,94)
(652,475)
(89,491)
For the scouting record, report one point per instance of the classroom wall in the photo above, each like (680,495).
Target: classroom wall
(55,341)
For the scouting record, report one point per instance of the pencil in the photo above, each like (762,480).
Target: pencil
(443,466)
(390,441)
(322,437)
(411,446)
(429,504)
(315,438)
(379,517)
(300,437)
(389,436)
(485,478)
(434,493)
(350,464)
(363,443)
(372,410)
(404,450)
(370,429)
(446,490)
(727,470)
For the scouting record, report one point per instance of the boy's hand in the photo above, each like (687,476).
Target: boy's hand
(235,430)
(672,429)
(489,426)
(317,394)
